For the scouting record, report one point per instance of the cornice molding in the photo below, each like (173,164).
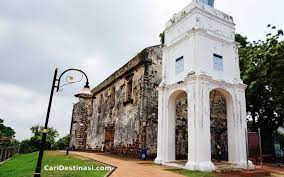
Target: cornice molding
(197,8)
(210,34)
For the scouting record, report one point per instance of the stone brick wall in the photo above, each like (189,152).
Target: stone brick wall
(153,77)
(124,111)
(80,118)
(181,128)
(123,115)
(218,124)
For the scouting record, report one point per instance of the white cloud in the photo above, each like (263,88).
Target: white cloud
(97,68)
(22,108)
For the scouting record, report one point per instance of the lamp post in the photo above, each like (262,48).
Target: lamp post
(260,146)
(85,92)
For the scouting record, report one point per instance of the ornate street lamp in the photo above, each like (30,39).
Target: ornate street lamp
(85,92)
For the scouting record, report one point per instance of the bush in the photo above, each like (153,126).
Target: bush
(33,144)
(27,146)
(62,143)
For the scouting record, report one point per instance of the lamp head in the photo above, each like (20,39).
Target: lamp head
(85,92)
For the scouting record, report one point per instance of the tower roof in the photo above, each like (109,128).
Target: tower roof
(200,6)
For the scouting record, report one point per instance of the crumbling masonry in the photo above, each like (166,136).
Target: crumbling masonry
(122,117)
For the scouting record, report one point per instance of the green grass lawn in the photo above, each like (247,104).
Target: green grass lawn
(191,173)
(23,165)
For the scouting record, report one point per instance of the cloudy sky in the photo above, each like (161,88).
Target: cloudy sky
(96,36)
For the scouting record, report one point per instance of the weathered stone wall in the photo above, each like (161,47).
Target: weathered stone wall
(218,124)
(153,77)
(181,128)
(80,118)
(125,110)
(124,115)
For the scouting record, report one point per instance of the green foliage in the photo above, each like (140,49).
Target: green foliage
(33,144)
(262,69)
(13,143)
(7,135)
(23,165)
(28,146)
(51,135)
(162,37)
(62,143)
(6,131)
(192,173)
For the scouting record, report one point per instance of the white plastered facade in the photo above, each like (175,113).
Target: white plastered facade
(197,33)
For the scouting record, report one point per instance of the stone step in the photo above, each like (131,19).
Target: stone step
(227,168)
(256,173)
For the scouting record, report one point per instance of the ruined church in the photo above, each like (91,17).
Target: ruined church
(123,113)
(180,100)
(124,109)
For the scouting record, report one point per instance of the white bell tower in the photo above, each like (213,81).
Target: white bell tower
(200,55)
(205,39)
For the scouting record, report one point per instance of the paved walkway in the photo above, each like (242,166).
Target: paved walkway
(129,167)
(275,171)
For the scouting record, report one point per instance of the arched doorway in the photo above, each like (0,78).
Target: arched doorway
(178,118)
(216,116)
(219,125)
(181,127)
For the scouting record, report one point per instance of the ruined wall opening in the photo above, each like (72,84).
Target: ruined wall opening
(177,126)
(181,127)
(218,125)
(109,138)
(129,86)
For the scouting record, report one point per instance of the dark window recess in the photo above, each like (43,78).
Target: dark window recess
(218,56)
(128,91)
(218,62)
(100,103)
(112,97)
(179,65)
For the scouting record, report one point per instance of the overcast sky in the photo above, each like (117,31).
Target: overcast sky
(96,36)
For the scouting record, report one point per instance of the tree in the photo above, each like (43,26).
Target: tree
(6,131)
(50,138)
(27,146)
(7,135)
(62,143)
(33,144)
(262,69)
